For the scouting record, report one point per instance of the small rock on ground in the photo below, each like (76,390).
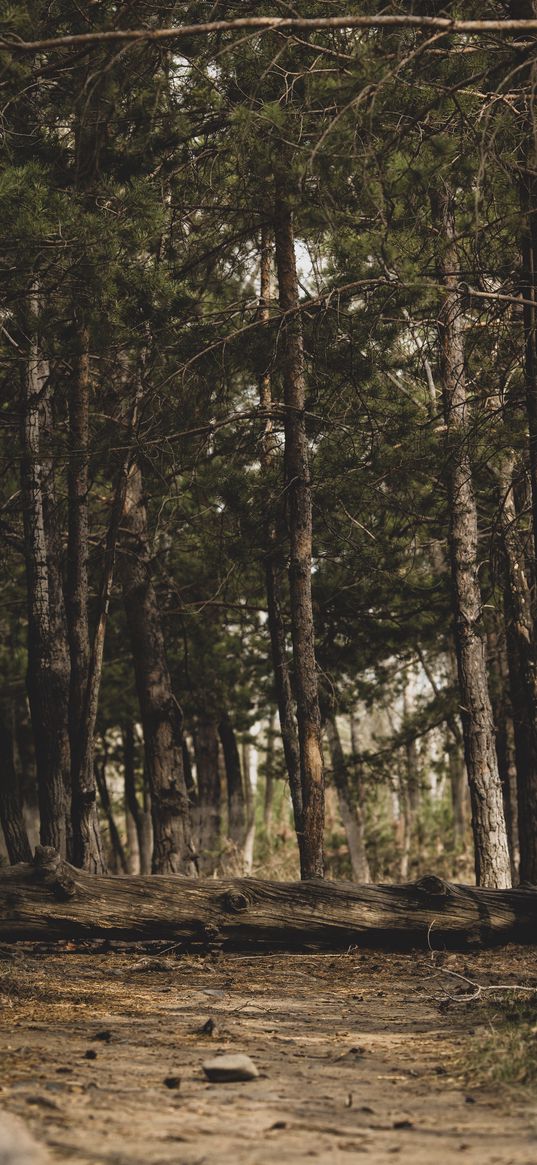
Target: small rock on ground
(224,1068)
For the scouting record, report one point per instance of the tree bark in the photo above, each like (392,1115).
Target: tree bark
(457,786)
(11,819)
(527,188)
(249,797)
(119,859)
(189,777)
(87,842)
(522,671)
(161,717)
(48,675)
(53,901)
(77,549)
(500,696)
(139,814)
(268,799)
(208,813)
(349,805)
(298,488)
(492,861)
(274,571)
(235,788)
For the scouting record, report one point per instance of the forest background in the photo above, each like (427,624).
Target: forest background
(268,438)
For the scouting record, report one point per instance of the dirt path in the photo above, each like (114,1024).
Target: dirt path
(355,1057)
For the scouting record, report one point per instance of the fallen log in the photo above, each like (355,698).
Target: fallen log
(52,900)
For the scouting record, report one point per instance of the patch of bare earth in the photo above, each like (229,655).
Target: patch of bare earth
(357,1055)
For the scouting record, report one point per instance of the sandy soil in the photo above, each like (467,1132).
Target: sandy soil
(358,1057)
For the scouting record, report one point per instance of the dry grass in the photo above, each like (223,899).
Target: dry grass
(504,1048)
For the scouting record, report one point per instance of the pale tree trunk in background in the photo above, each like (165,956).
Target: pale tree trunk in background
(500,691)
(356,757)
(235,788)
(189,778)
(11,819)
(274,574)
(457,764)
(208,812)
(139,814)
(349,805)
(410,786)
(404,828)
(133,848)
(161,717)
(522,671)
(299,508)
(249,794)
(24,754)
(118,860)
(457,785)
(269,779)
(492,860)
(48,667)
(458,777)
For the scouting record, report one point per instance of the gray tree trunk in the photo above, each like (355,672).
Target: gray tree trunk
(208,810)
(48,662)
(274,576)
(11,818)
(299,503)
(492,862)
(161,717)
(349,804)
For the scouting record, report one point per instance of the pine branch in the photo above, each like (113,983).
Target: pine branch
(257,24)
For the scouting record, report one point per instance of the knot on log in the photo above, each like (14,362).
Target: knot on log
(432,886)
(46,860)
(54,873)
(235,901)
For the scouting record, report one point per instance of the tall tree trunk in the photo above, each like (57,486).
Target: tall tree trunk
(527,186)
(139,813)
(499,684)
(161,717)
(235,788)
(457,787)
(87,842)
(24,752)
(77,548)
(48,671)
(133,848)
(189,777)
(522,670)
(208,814)
(411,795)
(298,488)
(119,859)
(274,572)
(268,799)
(11,819)
(356,757)
(492,861)
(349,805)
(249,795)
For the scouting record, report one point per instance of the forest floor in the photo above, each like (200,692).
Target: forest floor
(359,1055)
